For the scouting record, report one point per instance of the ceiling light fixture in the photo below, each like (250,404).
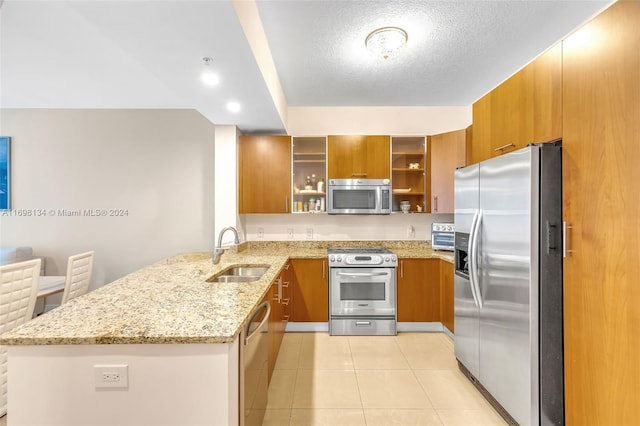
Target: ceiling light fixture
(208,76)
(386,42)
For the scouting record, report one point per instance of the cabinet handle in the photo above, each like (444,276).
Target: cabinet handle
(323,273)
(402,269)
(287,266)
(358,175)
(565,239)
(286,203)
(435,203)
(285,301)
(504,147)
(285,284)
(280,290)
(285,317)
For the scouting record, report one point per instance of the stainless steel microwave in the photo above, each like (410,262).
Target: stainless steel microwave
(359,196)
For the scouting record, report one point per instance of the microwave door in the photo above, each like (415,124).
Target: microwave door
(361,200)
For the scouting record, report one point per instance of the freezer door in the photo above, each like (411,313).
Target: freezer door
(508,317)
(467,199)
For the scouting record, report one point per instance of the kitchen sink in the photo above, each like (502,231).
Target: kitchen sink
(240,274)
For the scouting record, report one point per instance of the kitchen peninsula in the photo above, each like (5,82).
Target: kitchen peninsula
(177,334)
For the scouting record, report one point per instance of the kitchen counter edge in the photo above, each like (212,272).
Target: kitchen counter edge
(170,302)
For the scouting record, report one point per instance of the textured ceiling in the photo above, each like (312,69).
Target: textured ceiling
(146,54)
(456,51)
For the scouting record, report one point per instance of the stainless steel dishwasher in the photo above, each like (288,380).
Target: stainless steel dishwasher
(254,372)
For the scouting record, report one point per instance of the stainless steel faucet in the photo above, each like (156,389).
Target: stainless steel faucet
(218,250)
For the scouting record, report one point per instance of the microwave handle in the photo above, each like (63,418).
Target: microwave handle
(364,175)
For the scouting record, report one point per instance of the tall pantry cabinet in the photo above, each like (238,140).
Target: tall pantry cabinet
(601,144)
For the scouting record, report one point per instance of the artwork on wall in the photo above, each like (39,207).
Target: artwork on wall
(5,173)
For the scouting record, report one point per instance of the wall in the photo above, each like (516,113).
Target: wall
(275,227)
(170,384)
(226,193)
(397,121)
(156,165)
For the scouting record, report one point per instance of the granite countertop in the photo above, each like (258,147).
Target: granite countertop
(171,302)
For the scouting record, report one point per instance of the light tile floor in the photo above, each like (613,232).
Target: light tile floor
(409,379)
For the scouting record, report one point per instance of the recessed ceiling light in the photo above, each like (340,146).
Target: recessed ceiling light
(386,42)
(208,76)
(233,106)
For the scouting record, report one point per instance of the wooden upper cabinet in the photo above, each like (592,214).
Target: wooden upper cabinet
(547,95)
(512,113)
(408,172)
(359,157)
(525,108)
(481,139)
(448,151)
(264,174)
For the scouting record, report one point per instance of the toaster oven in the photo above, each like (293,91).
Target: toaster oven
(442,236)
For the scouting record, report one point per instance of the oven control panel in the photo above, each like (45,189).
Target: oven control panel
(355,260)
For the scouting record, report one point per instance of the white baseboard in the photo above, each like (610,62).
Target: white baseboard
(307,326)
(420,326)
(402,326)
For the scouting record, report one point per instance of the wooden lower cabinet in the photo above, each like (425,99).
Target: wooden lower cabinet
(272,298)
(279,298)
(310,290)
(446,294)
(418,290)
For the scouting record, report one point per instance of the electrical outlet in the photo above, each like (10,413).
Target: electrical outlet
(111,376)
(290,233)
(260,232)
(411,232)
(309,233)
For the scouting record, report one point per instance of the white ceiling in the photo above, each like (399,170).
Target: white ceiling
(147,54)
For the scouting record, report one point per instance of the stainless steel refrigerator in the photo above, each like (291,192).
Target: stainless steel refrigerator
(508,281)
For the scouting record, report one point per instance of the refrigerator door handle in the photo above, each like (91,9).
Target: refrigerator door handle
(474,269)
(472,264)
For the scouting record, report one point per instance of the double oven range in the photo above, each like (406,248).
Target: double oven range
(362,291)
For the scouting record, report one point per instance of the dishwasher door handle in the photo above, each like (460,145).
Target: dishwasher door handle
(264,305)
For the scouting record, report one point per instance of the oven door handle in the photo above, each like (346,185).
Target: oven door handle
(362,274)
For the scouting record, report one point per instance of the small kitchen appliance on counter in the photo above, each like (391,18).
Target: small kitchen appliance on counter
(442,236)
(362,291)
